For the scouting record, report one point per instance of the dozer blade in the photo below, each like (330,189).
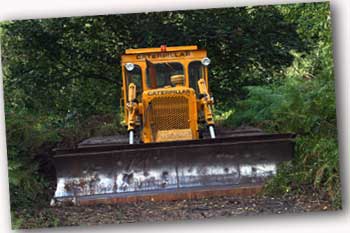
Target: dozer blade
(170,170)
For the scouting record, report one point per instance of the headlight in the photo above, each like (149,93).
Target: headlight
(205,61)
(129,66)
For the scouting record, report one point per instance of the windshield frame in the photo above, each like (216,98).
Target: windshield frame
(143,64)
(168,64)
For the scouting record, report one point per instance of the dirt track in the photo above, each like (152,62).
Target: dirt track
(168,211)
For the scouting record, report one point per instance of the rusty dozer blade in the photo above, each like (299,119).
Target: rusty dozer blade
(169,170)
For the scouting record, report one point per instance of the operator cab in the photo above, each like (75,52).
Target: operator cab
(152,68)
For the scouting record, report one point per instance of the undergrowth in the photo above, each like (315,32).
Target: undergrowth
(303,103)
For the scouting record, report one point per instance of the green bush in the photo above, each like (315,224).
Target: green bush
(303,102)
(27,137)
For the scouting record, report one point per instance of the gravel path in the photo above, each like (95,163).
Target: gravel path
(168,211)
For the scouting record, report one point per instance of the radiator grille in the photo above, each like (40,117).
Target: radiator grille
(169,112)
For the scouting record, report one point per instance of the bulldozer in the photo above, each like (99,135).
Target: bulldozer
(173,149)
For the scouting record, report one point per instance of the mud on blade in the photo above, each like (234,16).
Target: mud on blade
(116,171)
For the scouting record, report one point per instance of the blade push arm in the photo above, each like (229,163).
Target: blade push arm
(132,107)
(206,102)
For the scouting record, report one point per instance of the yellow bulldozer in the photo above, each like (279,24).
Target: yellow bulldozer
(173,149)
(165,93)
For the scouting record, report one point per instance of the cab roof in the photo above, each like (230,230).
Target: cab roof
(162,48)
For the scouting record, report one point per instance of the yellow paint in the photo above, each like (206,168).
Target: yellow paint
(156,50)
(169,113)
(174,135)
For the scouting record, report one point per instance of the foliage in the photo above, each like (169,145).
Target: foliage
(304,103)
(26,138)
(271,67)
(77,58)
